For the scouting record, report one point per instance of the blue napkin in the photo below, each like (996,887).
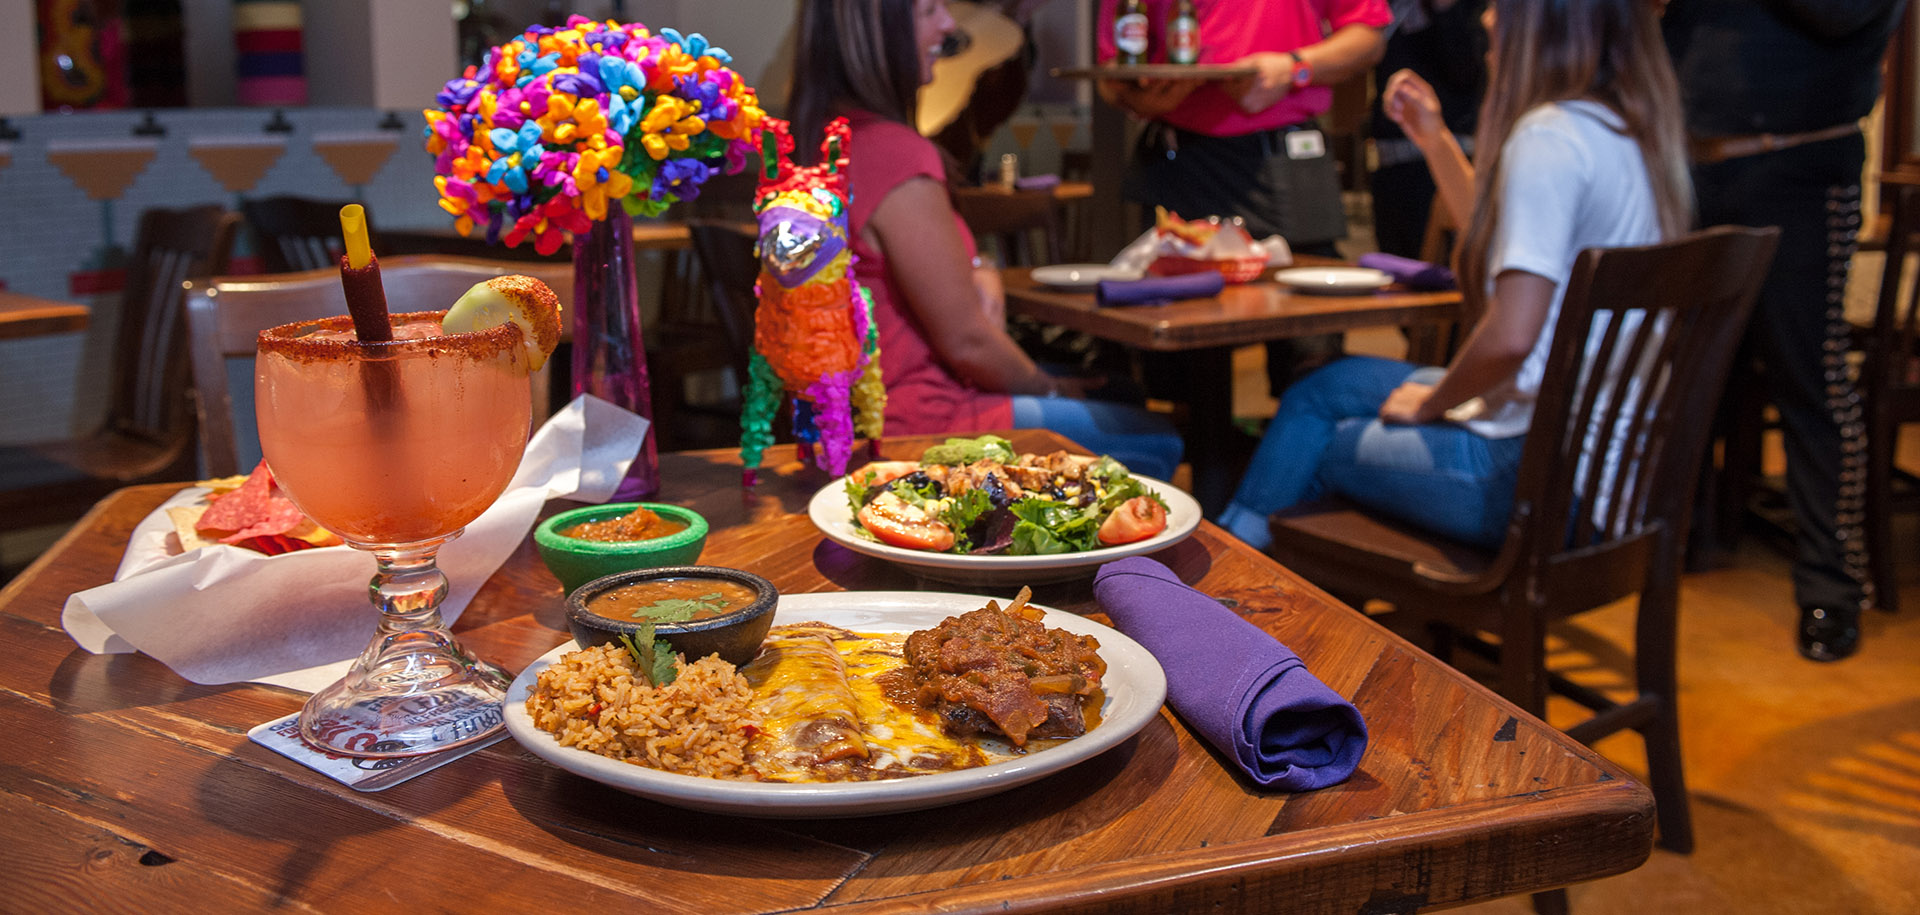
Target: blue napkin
(1406,271)
(1233,684)
(1159,290)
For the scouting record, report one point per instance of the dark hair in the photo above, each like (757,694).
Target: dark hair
(1607,51)
(852,54)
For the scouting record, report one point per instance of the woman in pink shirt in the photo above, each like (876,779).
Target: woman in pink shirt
(945,356)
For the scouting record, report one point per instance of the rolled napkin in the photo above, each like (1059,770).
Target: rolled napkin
(1247,694)
(1037,182)
(1414,274)
(1157,290)
(223,614)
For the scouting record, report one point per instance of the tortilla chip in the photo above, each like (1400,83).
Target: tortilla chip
(255,509)
(184,517)
(314,534)
(220,486)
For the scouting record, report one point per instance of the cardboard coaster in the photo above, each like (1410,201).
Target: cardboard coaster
(282,736)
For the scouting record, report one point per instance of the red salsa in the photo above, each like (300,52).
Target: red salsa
(639,524)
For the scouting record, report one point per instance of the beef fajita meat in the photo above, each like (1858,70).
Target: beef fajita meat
(1002,673)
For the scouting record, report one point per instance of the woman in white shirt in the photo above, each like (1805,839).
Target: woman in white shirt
(1582,146)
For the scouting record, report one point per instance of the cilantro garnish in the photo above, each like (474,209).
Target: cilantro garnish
(653,656)
(681,609)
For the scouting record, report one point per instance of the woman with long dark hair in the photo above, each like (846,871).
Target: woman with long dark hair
(1580,145)
(946,358)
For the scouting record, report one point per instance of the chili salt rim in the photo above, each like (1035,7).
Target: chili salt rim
(294,340)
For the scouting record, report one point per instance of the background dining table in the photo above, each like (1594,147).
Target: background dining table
(123,785)
(1203,333)
(23,315)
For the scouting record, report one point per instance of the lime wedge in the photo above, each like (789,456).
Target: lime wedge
(523,300)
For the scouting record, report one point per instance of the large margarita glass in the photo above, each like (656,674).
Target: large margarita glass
(396,446)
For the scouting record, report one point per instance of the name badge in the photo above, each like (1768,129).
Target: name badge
(1306,144)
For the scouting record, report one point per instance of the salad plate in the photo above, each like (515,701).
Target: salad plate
(833,515)
(1134,688)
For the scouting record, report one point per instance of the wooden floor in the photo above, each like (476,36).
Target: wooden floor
(1805,777)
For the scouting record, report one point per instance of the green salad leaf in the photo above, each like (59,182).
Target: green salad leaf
(960,513)
(1047,527)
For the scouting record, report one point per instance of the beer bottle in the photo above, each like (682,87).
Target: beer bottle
(1130,33)
(1183,34)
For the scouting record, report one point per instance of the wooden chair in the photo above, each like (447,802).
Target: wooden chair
(225,315)
(725,251)
(1890,382)
(1011,219)
(1560,559)
(692,337)
(148,434)
(725,248)
(296,233)
(1433,344)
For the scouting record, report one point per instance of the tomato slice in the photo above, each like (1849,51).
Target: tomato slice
(1136,519)
(879,472)
(897,522)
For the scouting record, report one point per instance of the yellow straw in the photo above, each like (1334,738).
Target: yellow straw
(353,227)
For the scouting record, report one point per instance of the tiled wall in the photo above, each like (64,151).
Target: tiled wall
(51,233)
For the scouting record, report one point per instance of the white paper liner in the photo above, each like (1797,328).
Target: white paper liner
(1232,241)
(225,614)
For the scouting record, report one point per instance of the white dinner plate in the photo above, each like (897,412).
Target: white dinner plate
(1134,684)
(834,517)
(1080,276)
(1334,280)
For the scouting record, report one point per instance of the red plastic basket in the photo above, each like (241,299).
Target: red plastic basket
(1234,270)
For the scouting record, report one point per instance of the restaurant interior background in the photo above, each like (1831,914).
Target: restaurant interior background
(1806,780)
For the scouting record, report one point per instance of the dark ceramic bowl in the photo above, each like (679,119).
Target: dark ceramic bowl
(735,636)
(576,562)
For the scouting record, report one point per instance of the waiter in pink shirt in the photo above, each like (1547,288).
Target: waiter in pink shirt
(1251,147)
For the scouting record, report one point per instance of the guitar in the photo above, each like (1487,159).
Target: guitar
(70,70)
(984,37)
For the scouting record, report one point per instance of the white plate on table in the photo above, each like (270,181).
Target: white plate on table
(834,517)
(1333,280)
(1080,276)
(1134,684)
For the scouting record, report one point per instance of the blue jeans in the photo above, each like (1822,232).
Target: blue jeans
(1327,438)
(1144,441)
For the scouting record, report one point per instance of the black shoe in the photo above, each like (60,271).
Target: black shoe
(1828,634)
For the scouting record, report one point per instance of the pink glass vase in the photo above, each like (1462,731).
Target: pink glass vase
(609,357)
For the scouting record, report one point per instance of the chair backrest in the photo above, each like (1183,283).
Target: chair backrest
(1640,355)
(725,250)
(1011,219)
(295,233)
(150,395)
(1892,367)
(226,315)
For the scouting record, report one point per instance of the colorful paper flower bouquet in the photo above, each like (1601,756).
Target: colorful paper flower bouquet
(558,123)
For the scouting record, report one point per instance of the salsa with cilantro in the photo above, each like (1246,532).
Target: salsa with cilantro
(672,600)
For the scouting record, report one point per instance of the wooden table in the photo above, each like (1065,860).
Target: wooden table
(24,315)
(1205,333)
(122,784)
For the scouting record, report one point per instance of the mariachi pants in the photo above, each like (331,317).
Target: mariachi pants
(1798,338)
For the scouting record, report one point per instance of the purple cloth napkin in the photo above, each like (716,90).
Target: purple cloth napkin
(1247,694)
(1037,182)
(1158,290)
(1409,272)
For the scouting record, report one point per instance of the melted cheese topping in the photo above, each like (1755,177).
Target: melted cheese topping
(819,696)
(900,741)
(808,713)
